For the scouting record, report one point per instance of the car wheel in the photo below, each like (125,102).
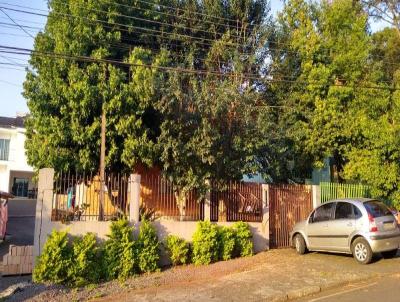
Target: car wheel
(389,254)
(361,251)
(300,244)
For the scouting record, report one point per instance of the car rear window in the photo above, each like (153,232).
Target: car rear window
(377,209)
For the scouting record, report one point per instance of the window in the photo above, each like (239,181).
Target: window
(377,208)
(4,148)
(324,213)
(344,210)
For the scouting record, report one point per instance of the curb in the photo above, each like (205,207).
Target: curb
(315,289)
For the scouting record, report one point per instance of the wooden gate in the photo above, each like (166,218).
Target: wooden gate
(288,204)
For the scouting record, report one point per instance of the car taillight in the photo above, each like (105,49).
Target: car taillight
(372,224)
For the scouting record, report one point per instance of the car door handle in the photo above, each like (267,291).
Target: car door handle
(350,224)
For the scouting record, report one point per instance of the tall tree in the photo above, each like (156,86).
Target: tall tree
(375,159)
(320,64)
(196,117)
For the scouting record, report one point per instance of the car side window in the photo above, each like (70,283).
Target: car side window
(344,210)
(357,212)
(324,213)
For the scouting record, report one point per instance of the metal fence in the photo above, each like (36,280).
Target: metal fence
(288,204)
(330,190)
(77,197)
(236,201)
(159,199)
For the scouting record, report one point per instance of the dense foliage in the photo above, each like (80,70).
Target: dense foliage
(212,243)
(227,243)
(243,236)
(205,243)
(55,260)
(178,250)
(85,267)
(119,253)
(147,248)
(245,94)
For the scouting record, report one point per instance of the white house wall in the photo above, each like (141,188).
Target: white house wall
(17,160)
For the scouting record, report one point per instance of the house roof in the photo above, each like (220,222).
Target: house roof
(12,122)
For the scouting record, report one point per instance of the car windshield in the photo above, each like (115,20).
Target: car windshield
(377,208)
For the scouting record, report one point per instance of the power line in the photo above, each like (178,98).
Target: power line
(10,83)
(23,29)
(244,76)
(200,40)
(147,20)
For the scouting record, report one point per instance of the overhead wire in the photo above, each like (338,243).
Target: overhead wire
(9,17)
(243,76)
(158,36)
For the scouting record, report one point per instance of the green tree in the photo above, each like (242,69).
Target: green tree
(325,62)
(376,156)
(67,96)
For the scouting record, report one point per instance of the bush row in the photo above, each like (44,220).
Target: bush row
(211,243)
(78,261)
(82,260)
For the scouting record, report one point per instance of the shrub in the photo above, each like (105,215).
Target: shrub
(85,267)
(177,249)
(227,241)
(53,263)
(205,243)
(119,258)
(147,248)
(244,243)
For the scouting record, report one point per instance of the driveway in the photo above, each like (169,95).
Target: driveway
(276,275)
(21,224)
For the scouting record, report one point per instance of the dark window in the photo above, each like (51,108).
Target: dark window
(324,213)
(377,208)
(357,212)
(4,149)
(344,210)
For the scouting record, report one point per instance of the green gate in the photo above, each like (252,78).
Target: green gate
(331,190)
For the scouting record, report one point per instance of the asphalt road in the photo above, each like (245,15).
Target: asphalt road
(385,289)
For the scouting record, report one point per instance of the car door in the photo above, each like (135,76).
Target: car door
(318,227)
(342,226)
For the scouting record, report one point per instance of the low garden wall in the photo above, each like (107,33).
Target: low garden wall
(184,229)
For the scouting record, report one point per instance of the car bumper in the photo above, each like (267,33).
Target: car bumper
(382,243)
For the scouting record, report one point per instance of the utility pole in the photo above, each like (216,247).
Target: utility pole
(102,158)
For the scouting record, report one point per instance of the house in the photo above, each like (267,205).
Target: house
(15,173)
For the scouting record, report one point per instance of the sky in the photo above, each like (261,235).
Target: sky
(12,77)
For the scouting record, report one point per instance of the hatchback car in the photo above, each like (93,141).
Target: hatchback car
(360,226)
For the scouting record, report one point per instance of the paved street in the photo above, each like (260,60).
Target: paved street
(378,289)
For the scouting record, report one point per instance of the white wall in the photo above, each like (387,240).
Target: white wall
(17,160)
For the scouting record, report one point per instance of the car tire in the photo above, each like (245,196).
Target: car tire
(389,254)
(361,250)
(300,244)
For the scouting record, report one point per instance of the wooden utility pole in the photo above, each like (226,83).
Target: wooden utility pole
(102,163)
(102,158)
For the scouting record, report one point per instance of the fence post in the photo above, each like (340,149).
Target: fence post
(134,205)
(44,204)
(207,202)
(316,196)
(265,212)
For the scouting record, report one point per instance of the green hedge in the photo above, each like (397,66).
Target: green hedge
(82,260)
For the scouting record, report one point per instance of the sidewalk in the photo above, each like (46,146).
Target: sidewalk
(276,275)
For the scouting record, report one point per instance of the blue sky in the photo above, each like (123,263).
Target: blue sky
(11,100)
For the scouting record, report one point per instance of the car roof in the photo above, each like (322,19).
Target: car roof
(359,199)
(354,200)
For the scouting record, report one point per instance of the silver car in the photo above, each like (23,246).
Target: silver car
(359,226)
